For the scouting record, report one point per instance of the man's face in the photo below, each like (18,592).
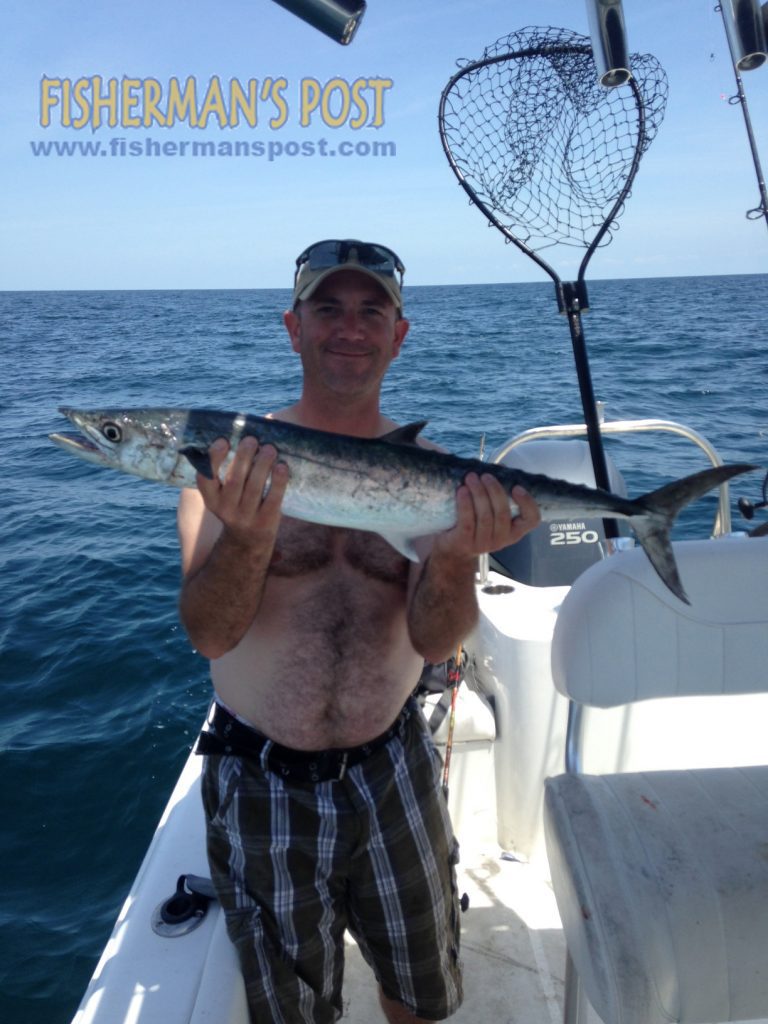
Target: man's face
(347,334)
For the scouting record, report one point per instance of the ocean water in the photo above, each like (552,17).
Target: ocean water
(102,694)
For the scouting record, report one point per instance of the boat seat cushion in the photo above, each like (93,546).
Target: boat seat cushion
(621,636)
(659,877)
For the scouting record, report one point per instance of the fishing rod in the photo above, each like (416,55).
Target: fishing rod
(745,30)
(454,679)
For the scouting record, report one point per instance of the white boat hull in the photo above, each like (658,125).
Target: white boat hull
(510,735)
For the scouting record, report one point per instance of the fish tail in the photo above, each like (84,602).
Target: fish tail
(662,506)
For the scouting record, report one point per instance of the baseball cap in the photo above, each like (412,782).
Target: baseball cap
(318,261)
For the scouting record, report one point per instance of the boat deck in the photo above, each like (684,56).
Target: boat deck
(512,944)
(513,948)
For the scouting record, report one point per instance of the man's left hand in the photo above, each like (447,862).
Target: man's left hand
(483,521)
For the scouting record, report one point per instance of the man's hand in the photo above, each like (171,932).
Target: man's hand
(483,521)
(443,605)
(249,516)
(226,566)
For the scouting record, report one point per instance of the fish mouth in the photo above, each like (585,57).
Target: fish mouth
(67,440)
(79,444)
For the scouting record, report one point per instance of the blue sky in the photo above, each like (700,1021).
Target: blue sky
(180,221)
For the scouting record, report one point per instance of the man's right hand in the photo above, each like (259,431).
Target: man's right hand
(238,500)
(227,534)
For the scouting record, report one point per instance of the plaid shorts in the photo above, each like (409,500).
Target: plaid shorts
(297,863)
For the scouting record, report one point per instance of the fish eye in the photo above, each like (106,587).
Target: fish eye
(112,432)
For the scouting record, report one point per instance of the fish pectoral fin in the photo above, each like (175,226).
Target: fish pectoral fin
(402,543)
(199,459)
(405,435)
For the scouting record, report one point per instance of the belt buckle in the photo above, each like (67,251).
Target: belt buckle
(343,766)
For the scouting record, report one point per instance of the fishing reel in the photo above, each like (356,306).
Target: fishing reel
(748,508)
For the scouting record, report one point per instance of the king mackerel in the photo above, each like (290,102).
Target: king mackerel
(388,485)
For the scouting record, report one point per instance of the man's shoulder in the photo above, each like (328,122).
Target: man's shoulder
(190,498)
(424,442)
(191,510)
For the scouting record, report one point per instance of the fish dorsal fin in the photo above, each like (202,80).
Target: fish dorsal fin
(405,435)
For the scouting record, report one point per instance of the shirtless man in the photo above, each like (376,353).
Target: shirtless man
(321,785)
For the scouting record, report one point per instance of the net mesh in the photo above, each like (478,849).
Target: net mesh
(540,142)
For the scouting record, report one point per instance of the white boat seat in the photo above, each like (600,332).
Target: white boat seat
(661,878)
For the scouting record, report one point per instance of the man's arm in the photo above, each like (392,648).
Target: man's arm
(227,533)
(443,607)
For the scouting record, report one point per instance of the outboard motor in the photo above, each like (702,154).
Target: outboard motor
(555,553)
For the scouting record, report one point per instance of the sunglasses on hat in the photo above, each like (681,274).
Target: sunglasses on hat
(321,260)
(338,252)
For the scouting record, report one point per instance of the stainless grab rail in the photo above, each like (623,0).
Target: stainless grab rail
(722,523)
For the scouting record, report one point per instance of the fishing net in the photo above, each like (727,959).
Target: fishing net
(539,144)
(548,155)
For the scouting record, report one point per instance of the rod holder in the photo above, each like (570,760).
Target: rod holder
(609,42)
(338,19)
(746,32)
(571,297)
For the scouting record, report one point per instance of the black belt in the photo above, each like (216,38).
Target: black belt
(228,735)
